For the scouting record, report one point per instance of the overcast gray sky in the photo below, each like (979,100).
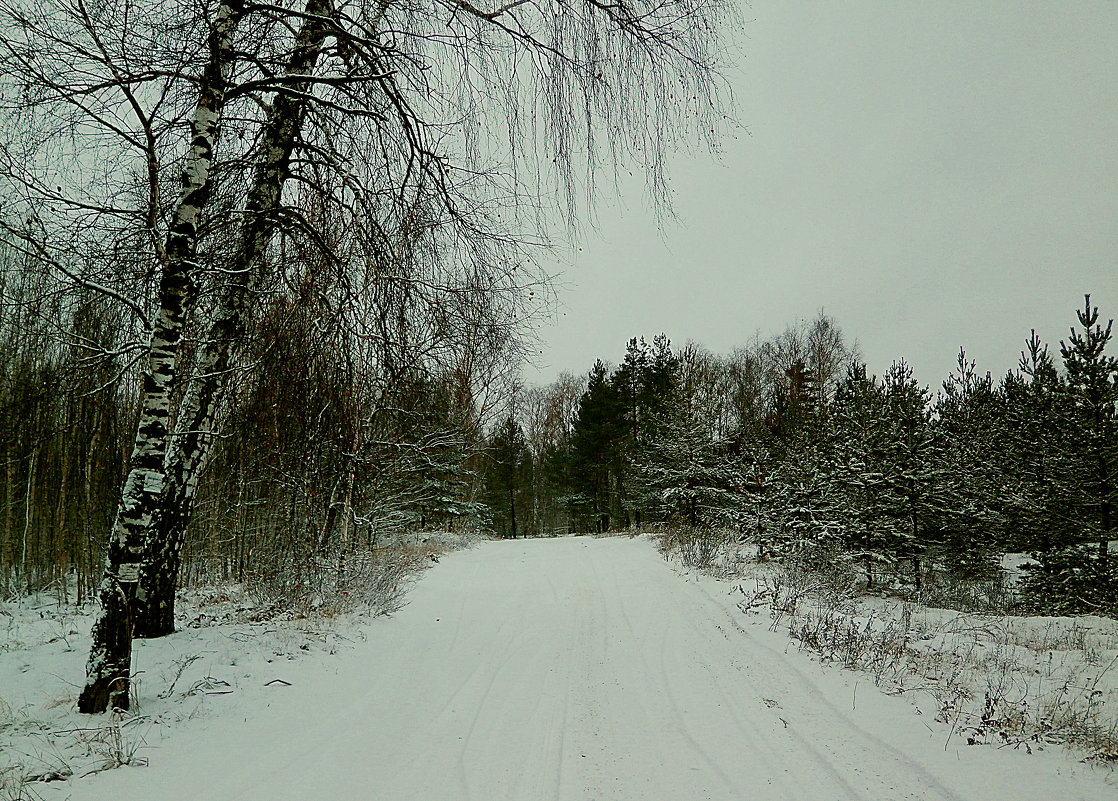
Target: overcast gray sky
(930,174)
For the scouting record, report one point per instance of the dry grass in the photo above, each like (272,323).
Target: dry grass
(708,550)
(994,679)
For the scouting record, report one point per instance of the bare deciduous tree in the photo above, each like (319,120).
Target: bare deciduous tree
(185,157)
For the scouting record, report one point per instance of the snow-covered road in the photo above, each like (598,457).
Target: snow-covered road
(579,669)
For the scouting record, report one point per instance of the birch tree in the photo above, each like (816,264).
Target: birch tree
(179,155)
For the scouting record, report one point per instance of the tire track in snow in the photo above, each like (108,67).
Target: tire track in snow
(736,711)
(679,714)
(567,670)
(871,747)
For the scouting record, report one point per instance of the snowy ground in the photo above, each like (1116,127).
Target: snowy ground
(1027,683)
(571,668)
(206,670)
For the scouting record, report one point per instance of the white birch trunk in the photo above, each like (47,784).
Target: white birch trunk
(107,672)
(193,440)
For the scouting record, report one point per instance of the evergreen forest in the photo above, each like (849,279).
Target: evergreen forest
(792,445)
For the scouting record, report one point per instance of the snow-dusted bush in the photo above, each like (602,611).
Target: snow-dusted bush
(704,548)
(373,579)
(948,590)
(699,547)
(1072,581)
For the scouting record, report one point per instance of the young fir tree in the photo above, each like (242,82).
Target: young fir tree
(1058,505)
(647,388)
(873,532)
(1033,451)
(595,451)
(692,472)
(969,416)
(1092,381)
(814,509)
(913,467)
(628,383)
(796,402)
(757,513)
(809,511)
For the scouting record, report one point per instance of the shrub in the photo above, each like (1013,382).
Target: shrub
(1068,581)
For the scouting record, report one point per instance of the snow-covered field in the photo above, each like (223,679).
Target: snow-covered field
(571,668)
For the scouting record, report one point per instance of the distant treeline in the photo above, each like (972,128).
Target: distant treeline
(791,444)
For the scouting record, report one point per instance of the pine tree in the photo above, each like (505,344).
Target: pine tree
(872,531)
(913,466)
(1063,450)
(509,477)
(809,511)
(796,401)
(692,473)
(596,450)
(1033,450)
(757,513)
(647,390)
(969,418)
(1092,381)
(629,382)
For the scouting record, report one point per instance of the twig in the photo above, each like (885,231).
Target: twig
(183,665)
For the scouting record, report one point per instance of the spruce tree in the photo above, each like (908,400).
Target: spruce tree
(1065,460)
(648,390)
(969,418)
(1033,450)
(595,450)
(808,506)
(1092,381)
(912,465)
(692,472)
(757,512)
(861,440)
(508,477)
(628,383)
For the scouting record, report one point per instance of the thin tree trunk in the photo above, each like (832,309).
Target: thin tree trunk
(87,498)
(85,572)
(107,672)
(243,518)
(347,506)
(1104,516)
(329,515)
(7,548)
(25,574)
(62,552)
(916,565)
